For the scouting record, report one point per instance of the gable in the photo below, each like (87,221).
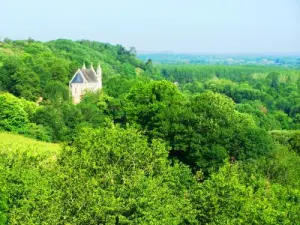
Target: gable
(77,78)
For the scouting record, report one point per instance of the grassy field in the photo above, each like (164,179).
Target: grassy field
(11,144)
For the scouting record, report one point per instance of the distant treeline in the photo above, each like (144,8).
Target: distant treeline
(292,60)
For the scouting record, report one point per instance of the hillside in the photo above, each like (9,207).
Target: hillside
(15,143)
(167,144)
(14,146)
(32,69)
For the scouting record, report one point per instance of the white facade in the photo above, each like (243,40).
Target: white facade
(85,80)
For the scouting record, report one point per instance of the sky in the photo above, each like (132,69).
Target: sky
(183,26)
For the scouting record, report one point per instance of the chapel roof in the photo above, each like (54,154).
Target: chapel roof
(89,75)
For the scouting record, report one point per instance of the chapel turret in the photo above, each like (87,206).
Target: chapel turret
(99,75)
(99,71)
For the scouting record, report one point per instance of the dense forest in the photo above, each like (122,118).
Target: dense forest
(159,144)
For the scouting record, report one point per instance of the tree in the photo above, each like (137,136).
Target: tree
(13,117)
(26,174)
(274,79)
(214,131)
(155,107)
(52,119)
(56,92)
(26,84)
(233,197)
(113,176)
(9,68)
(295,143)
(132,51)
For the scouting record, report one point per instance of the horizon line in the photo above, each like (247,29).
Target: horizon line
(166,52)
(215,53)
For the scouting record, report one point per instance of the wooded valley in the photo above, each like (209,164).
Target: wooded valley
(159,144)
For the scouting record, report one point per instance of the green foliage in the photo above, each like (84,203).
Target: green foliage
(51,118)
(13,117)
(117,177)
(109,176)
(195,150)
(29,107)
(25,167)
(154,106)
(281,166)
(231,197)
(95,109)
(27,183)
(274,88)
(33,69)
(56,92)
(215,131)
(3,200)
(202,131)
(295,143)
(290,139)
(38,132)
(26,83)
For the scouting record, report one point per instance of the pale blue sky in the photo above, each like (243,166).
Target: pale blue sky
(203,26)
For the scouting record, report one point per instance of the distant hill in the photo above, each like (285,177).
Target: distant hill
(31,69)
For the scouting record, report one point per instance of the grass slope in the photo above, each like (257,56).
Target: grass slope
(14,143)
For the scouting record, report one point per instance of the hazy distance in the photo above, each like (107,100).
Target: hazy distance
(190,26)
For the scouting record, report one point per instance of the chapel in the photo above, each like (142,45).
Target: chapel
(85,80)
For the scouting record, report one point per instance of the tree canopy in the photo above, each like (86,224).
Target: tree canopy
(159,144)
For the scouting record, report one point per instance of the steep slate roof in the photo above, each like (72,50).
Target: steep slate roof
(89,75)
(77,78)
